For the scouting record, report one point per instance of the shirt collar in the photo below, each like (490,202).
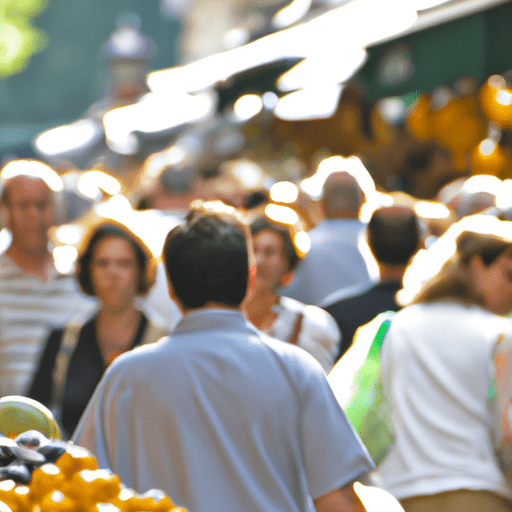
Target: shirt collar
(213,319)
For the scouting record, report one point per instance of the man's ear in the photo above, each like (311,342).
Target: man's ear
(286,279)
(6,216)
(252,277)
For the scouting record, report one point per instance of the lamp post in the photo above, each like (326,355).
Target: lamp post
(127,53)
(82,144)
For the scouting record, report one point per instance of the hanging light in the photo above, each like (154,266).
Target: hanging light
(284,192)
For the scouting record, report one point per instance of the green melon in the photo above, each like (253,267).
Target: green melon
(19,414)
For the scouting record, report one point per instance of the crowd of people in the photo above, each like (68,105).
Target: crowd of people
(227,405)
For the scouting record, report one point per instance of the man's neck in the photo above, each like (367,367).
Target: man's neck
(211,305)
(34,263)
(346,214)
(391,272)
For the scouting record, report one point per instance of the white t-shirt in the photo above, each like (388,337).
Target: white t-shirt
(319,334)
(436,369)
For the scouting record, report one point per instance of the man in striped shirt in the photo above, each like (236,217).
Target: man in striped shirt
(34,296)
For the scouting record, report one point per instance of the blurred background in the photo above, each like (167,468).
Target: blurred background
(254,93)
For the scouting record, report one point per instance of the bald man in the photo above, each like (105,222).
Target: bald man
(335,260)
(28,213)
(34,296)
(394,236)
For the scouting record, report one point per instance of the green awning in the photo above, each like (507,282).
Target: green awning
(478,45)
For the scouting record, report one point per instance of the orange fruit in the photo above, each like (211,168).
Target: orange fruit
(7,495)
(103,507)
(162,502)
(16,497)
(93,486)
(22,497)
(5,508)
(151,501)
(123,498)
(45,479)
(75,459)
(56,501)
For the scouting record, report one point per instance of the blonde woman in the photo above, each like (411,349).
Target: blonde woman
(436,367)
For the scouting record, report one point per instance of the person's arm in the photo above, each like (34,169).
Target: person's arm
(333,452)
(356,497)
(340,500)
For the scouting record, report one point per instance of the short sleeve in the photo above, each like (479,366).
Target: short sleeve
(333,453)
(100,428)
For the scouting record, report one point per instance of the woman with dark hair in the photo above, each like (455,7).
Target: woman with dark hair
(115,266)
(437,363)
(307,326)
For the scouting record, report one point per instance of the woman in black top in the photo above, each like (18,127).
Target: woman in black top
(115,266)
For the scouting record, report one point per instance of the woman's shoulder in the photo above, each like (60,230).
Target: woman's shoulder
(316,321)
(311,313)
(449,313)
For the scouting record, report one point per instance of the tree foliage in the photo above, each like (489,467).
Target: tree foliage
(19,38)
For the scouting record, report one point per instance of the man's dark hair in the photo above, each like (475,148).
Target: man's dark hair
(263,223)
(207,256)
(394,234)
(146,263)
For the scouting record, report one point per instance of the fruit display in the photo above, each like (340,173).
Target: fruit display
(19,414)
(39,474)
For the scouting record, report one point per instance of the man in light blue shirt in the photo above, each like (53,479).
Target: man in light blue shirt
(219,415)
(336,260)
